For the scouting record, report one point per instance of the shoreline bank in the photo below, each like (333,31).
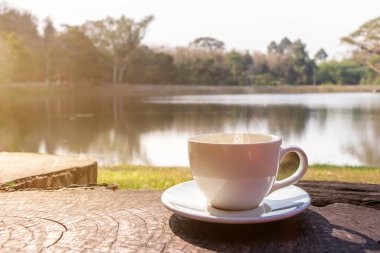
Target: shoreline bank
(170,90)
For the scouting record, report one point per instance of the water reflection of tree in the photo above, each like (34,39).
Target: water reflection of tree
(284,120)
(367,124)
(366,152)
(104,125)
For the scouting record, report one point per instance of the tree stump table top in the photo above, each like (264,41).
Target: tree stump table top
(100,220)
(32,170)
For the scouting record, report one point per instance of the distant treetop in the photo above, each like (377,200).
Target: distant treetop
(366,41)
(208,43)
(321,55)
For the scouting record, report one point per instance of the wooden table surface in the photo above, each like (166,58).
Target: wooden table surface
(102,220)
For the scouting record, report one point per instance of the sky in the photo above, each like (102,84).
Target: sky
(240,24)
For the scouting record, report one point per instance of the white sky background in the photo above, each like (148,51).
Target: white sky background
(241,24)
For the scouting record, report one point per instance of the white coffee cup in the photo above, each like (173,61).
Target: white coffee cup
(237,171)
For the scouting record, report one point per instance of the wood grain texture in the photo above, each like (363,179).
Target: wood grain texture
(324,193)
(102,220)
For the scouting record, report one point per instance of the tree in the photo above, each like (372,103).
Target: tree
(208,43)
(260,62)
(22,23)
(366,41)
(346,71)
(239,67)
(321,55)
(272,47)
(284,46)
(303,66)
(149,66)
(118,37)
(19,30)
(24,64)
(50,47)
(288,62)
(6,61)
(198,66)
(78,59)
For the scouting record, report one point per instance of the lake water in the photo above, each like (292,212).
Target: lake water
(331,128)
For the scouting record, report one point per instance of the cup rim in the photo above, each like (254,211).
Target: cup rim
(196,139)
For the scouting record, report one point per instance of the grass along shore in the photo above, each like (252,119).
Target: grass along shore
(160,178)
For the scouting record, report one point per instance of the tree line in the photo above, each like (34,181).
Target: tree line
(110,51)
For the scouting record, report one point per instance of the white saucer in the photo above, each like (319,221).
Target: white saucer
(187,200)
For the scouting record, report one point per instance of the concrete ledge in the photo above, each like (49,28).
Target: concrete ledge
(43,171)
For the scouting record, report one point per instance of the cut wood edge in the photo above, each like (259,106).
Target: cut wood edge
(44,171)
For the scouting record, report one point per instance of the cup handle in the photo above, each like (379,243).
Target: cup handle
(296,176)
